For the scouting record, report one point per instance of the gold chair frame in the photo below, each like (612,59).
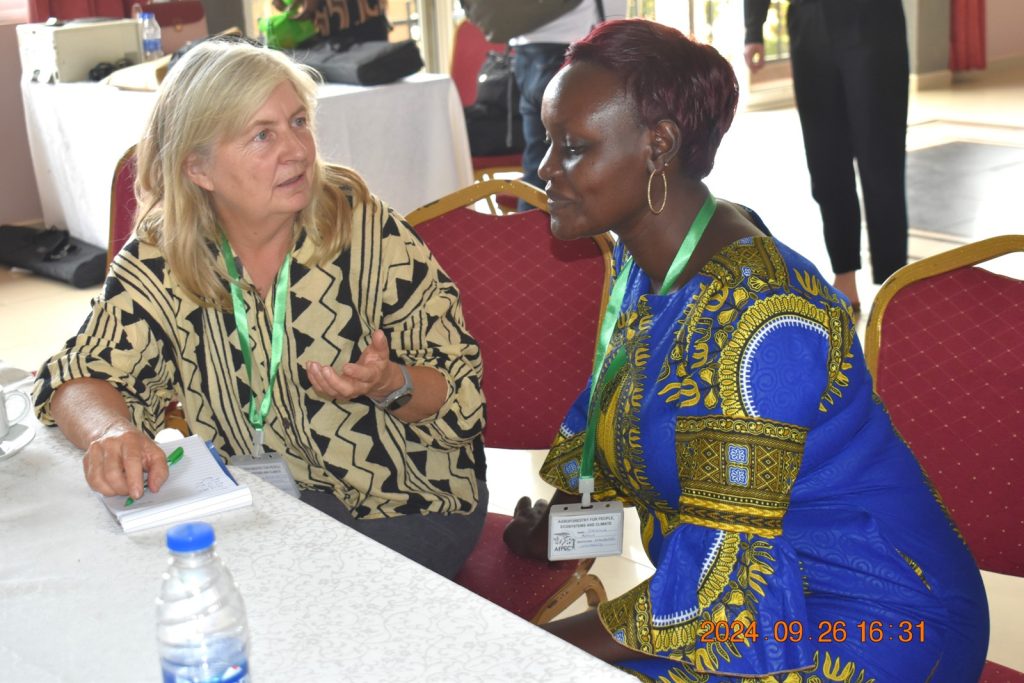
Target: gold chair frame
(959,257)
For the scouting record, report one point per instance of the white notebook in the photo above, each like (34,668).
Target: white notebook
(198,485)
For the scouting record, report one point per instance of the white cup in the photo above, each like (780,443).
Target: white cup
(6,420)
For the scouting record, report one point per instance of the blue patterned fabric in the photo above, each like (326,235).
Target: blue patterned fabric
(793,534)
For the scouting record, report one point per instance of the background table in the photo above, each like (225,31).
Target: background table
(407,139)
(324,602)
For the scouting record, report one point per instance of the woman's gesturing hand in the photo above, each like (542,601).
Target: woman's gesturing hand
(373,374)
(527,533)
(114,463)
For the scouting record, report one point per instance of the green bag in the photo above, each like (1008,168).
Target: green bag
(283,32)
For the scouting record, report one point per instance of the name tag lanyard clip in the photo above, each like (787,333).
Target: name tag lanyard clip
(258,410)
(611,315)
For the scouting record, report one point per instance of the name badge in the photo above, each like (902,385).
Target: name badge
(271,468)
(575,532)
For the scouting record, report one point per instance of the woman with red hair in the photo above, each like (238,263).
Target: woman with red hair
(793,534)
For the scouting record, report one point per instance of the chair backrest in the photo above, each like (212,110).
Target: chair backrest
(945,343)
(122,204)
(532,302)
(469,50)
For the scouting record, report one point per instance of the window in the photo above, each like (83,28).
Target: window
(776,33)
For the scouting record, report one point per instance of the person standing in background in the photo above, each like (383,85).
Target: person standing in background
(850,75)
(539,54)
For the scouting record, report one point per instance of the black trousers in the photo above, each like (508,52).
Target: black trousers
(850,73)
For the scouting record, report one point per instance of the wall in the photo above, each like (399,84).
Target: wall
(928,35)
(19,199)
(1004,22)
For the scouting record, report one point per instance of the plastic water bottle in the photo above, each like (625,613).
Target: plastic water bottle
(201,627)
(151,43)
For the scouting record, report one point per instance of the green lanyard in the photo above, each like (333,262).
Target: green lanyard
(611,315)
(258,413)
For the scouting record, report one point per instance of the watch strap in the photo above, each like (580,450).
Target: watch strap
(394,399)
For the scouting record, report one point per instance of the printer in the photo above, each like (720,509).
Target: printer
(66,52)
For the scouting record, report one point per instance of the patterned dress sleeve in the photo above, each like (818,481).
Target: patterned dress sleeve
(740,376)
(422,316)
(123,342)
(561,467)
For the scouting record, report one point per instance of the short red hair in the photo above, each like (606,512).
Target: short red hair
(668,76)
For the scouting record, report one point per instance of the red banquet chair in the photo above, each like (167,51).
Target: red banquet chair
(122,204)
(944,343)
(469,50)
(533,304)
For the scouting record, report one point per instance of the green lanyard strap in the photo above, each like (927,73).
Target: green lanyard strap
(258,411)
(611,315)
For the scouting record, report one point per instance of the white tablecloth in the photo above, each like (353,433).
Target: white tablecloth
(407,139)
(324,603)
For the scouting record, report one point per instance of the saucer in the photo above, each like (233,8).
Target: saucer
(17,438)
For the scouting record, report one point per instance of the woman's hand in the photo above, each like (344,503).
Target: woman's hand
(753,55)
(373,375)
(94,417)
(527,533)
(115,461)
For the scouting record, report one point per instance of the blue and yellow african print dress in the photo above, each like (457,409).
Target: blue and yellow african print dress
(794,536)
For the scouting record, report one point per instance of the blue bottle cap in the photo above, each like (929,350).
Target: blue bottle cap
(190,538)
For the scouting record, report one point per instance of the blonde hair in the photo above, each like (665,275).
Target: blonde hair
(210,95)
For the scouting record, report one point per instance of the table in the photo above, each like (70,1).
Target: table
(407,139)
(324,602)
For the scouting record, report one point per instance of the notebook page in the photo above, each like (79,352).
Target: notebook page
(198,475)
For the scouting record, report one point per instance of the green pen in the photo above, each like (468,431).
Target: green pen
(172,457)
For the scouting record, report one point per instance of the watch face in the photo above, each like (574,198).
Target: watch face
(400,401)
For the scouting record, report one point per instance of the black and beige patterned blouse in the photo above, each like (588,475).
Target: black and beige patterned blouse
(152,343)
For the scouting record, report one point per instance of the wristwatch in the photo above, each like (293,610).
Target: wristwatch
(400,396)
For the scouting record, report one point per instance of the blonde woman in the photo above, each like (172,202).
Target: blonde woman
(353,365)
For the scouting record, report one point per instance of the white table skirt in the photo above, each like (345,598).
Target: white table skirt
(324,602)
(407,139)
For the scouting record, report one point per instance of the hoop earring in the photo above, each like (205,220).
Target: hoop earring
(664,190)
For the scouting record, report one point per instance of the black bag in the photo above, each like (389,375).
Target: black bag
(54,254)
(374,28)
(502,20)
(370,63)
(493,121)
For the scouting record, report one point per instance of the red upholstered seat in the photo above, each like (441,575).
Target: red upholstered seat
(122,204)
(522,586)
(533,304)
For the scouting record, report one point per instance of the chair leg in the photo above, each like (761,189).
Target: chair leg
(588,585)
